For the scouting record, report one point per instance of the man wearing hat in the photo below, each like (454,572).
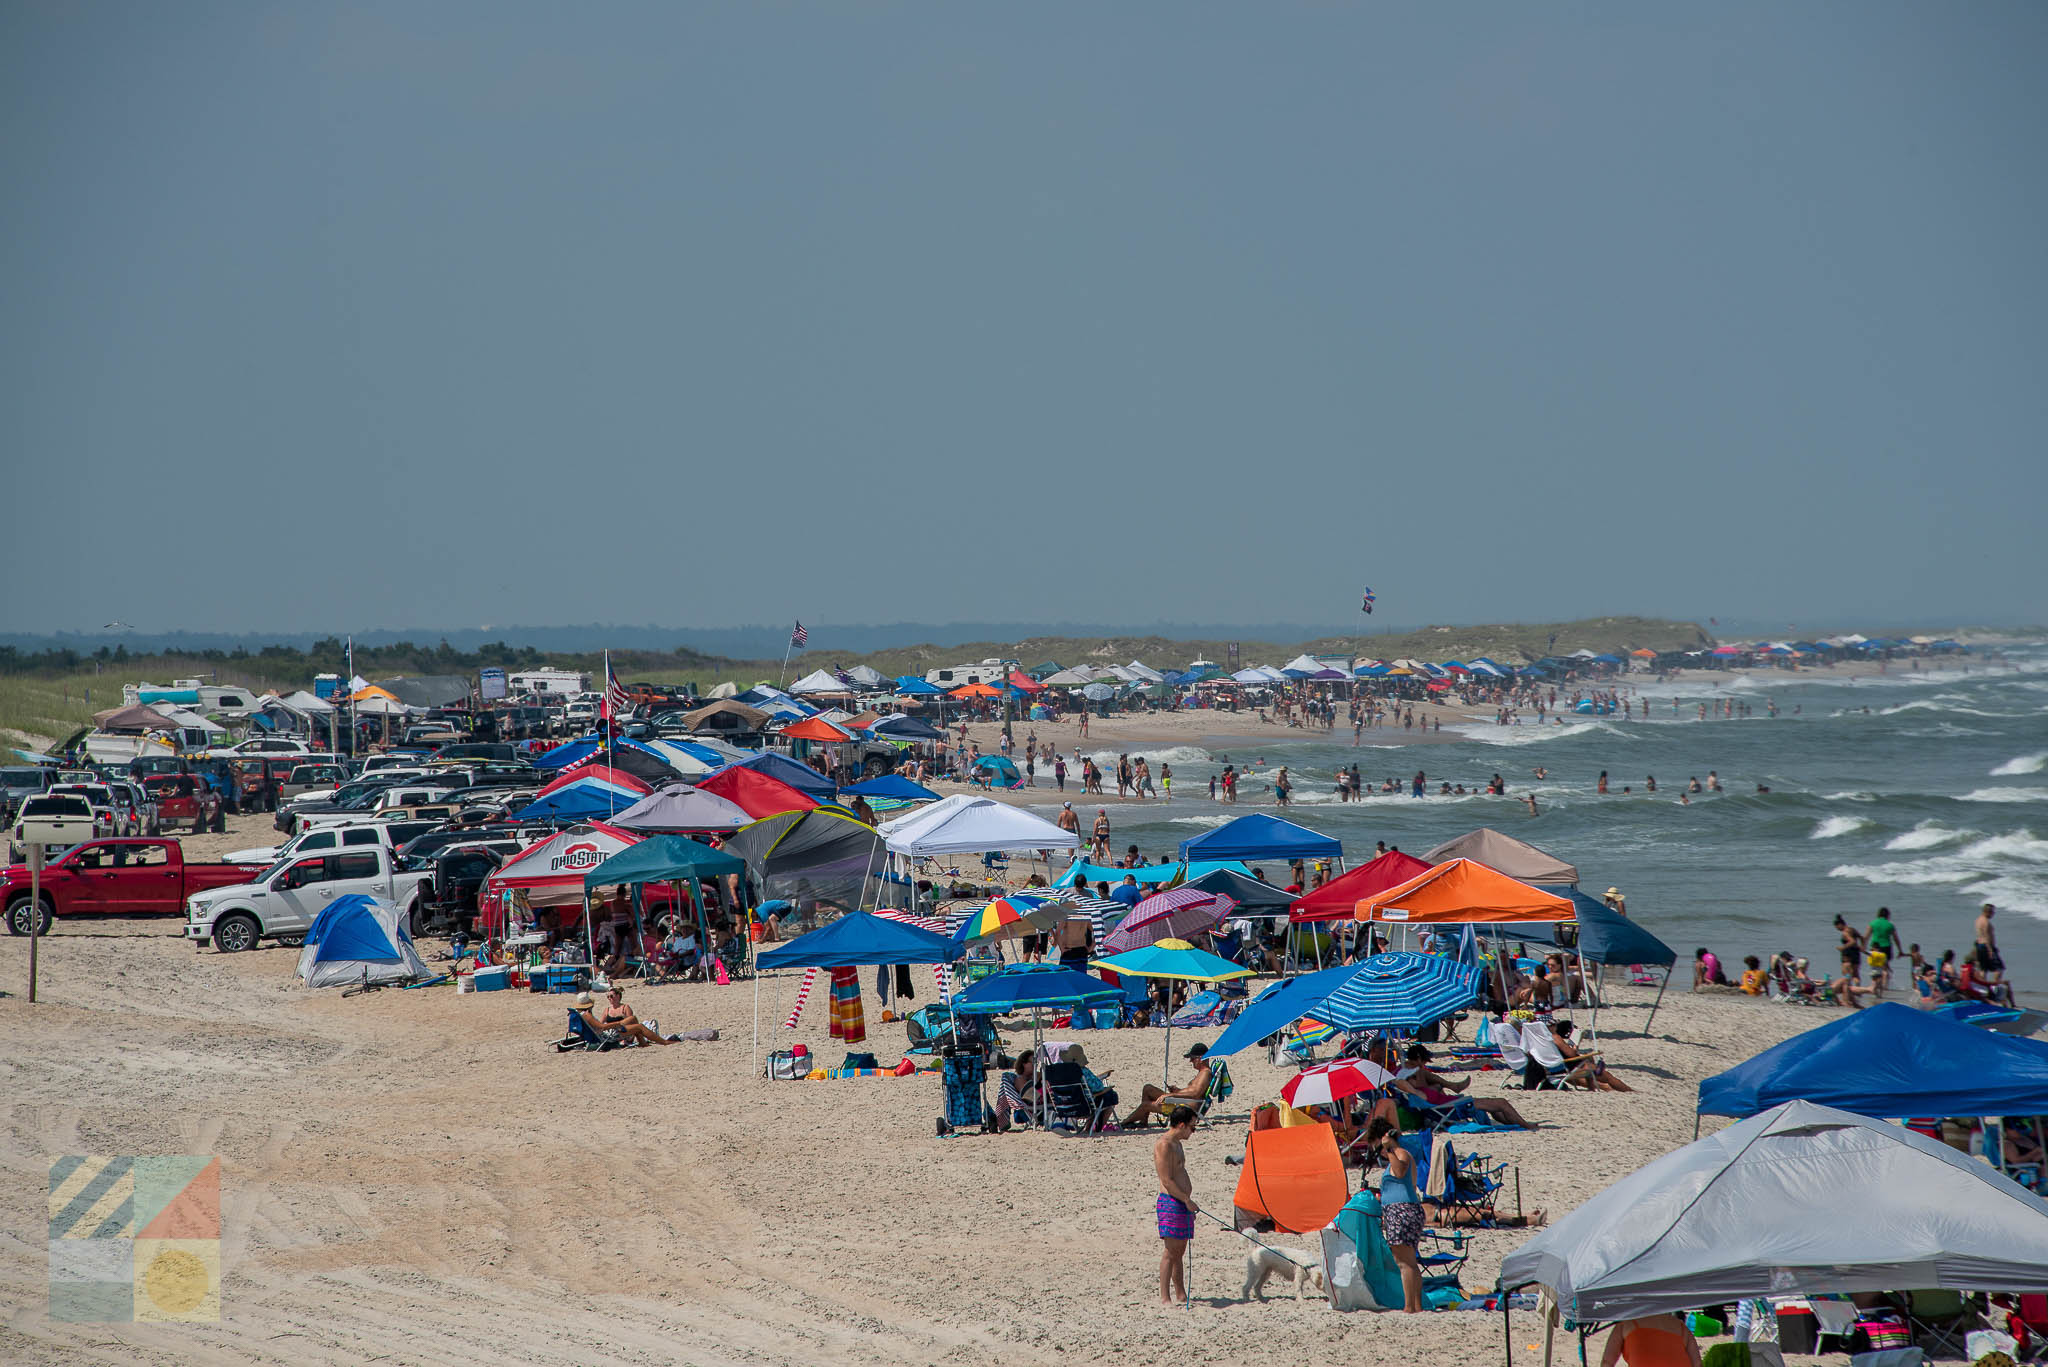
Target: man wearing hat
(1156,1101)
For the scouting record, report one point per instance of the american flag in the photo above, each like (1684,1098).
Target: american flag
(798,636)
(615,701)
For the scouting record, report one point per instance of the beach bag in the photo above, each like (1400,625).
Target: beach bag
(860,1060)
(789,1065)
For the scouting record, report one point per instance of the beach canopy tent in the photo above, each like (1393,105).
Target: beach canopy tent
(1464,890)
(1338,899)
(1890,1061)
(1604,936)
(912,686)
(1763,1208)
(906,728)
(727,714)
(783,769)
(1398,991)
(893,786)
(1515,858)
(578,802)
(1253,897)
(820,681)
(602,775)
(818,729)
(551,872)
(357,939)
(1079,873)
(866,677)
(681,807)
(755,793)
(858,939)
(663,859)
(1027,986)
(966,824)
(1258,835)
(822,855)
(132,718)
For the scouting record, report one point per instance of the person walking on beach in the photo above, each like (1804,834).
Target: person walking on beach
(1101,832)
(1059,771)
(1883,941)
(1175,1206)
(1986,949)
(1852,950)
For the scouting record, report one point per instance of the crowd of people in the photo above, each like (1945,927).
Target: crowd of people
(1978,976)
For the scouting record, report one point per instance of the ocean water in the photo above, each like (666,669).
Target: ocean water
(1926,792)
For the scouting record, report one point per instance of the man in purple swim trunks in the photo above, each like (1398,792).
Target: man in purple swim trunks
(1175,1205)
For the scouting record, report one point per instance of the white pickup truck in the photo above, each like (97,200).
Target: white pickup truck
(316,842)
(283,902)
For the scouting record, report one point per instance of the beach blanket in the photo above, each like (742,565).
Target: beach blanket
(1475,1127)
(849,1022)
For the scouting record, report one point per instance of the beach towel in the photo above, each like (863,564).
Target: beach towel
(1477,1127)
(849,1023)
(1359,1270)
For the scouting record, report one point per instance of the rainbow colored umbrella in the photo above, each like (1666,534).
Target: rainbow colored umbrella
(997,916)
(1175,959)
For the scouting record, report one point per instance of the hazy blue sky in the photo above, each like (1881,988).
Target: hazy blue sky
(446,314)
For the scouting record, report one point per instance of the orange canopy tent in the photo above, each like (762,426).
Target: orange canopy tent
(976,690)
(1337,899)
(1293,1176)
(1465,890)
(817,728)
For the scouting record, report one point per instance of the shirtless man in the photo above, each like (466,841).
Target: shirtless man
(1989,964)
(1067,821)
(1155,1100)
(1175,1206)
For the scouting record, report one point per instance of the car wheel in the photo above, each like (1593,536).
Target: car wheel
(291,941)
(233,934)
(19,918)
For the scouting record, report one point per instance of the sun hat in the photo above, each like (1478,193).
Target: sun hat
(1614,892)
(585,999)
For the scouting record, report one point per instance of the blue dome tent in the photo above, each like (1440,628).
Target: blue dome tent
(359,939)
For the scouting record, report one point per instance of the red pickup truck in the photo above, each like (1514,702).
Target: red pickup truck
(124,877)
(182,798)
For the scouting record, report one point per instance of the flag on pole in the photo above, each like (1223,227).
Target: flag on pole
(615,701)
(798,636)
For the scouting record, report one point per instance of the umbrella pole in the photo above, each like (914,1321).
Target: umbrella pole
(1660,997)
(757,1020)
(1166,1064)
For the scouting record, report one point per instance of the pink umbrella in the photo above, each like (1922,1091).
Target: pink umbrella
(1175,915)
(1328,1083)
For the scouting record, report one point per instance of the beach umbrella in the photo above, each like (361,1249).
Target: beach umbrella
(1171,915)
(1399,991)
(1176,960)
(1028,986)
(1098,692)
(1328,1083)
(997,916)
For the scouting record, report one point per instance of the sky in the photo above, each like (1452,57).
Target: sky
(330,317)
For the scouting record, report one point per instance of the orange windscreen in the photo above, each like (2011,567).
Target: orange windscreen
(1294,1177)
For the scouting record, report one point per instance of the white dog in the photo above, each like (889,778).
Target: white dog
(1304,1270)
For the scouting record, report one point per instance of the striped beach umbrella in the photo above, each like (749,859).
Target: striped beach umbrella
(1171,915)
(1328,1083)
(1399,991)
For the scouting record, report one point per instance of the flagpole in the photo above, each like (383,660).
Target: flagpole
(610,727)
(785,660)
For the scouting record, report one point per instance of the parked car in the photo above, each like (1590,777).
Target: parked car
(283,902)
(184,799)
(459,874)
(19,781)
(312,842)
(357,795)
(134,808)
(312,778)
(127,876)
(71,814)
(399,798)
(102,799)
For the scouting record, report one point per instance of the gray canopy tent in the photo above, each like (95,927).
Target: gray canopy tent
(1759,1209)
(1515,858)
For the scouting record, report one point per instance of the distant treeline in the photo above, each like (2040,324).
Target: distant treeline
(329,655)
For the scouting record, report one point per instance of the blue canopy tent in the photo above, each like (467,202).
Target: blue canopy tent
(1889,1062)
(856,940)
(1256,835)
(912,686)
(905,728)
(891,786)
(576,802)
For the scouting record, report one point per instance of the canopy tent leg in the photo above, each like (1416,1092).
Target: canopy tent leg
(1507,1332)
(1660,996)
(757,1019)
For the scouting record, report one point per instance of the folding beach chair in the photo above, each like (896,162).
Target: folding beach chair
(1543,1054)
(1073,1105)
(581,1036)
(1940,1320)
(1219,1089)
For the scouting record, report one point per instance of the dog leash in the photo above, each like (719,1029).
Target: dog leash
(1247,1234)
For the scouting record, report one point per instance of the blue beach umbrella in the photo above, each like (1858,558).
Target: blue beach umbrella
(1010,990)
(1399,991)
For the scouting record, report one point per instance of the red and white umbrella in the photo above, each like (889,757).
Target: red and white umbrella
(1173,915)
(1328,1083)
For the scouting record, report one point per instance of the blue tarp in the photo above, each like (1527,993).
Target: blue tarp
(891,785)
(1256,835)
(1151,873)
(576,802)
(1889,1062)
(860,938)
(905,728)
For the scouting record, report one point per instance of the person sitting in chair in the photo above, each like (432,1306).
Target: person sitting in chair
(1587,1070)
(615,1019)
(1421,1081)
(1157,1101)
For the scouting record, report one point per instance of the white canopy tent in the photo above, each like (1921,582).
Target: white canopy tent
(1759,1209)
(818,681)
(966,824)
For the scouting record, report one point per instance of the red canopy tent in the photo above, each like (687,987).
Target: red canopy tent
(1337,900)
(817,728)
(1024,681)
(755,793)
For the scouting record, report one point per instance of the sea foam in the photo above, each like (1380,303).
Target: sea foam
(2022,764)
(1830,827)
